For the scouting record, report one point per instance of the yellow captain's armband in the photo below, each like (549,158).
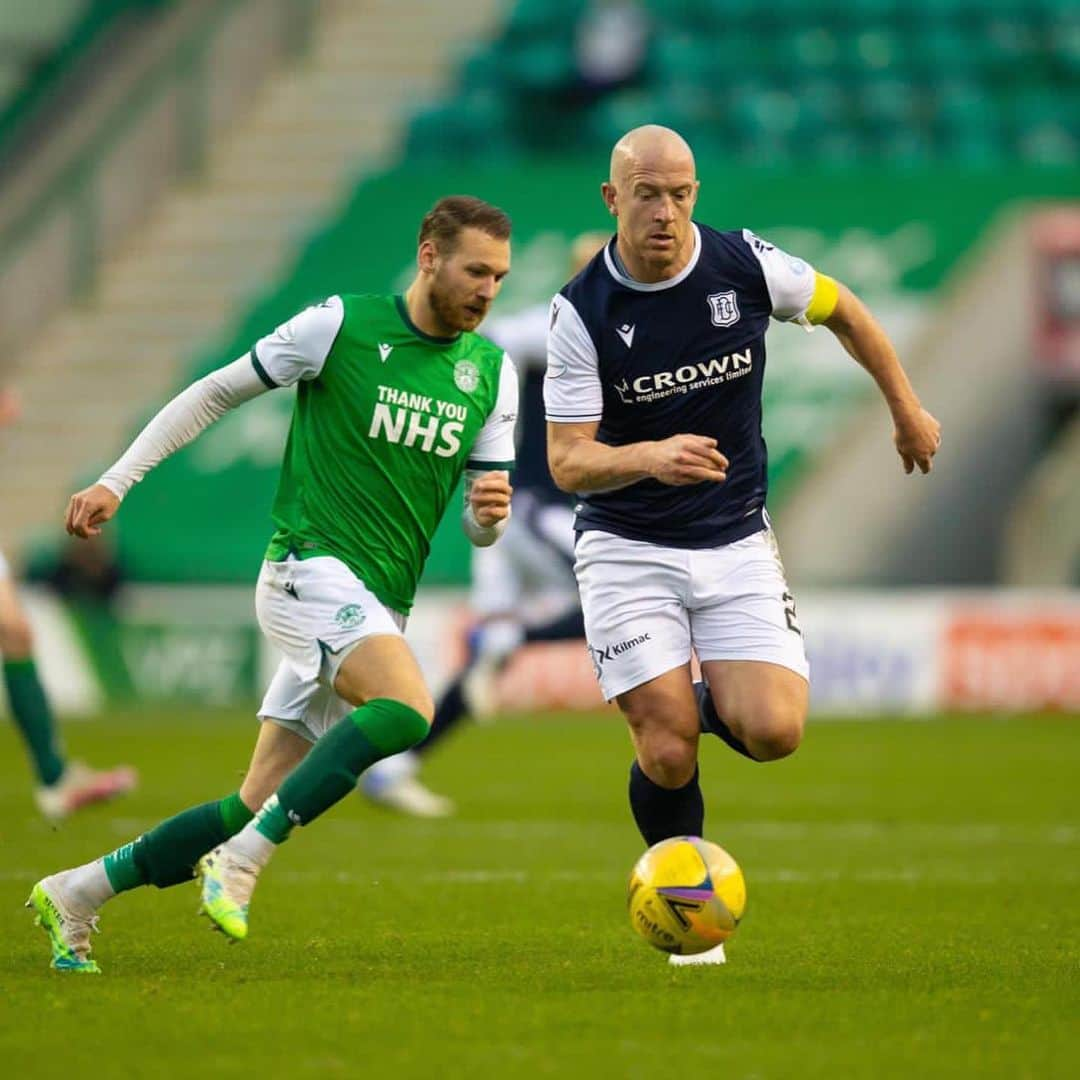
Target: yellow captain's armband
(823,302)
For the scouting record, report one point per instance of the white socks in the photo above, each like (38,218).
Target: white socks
(251,843)
(86,886)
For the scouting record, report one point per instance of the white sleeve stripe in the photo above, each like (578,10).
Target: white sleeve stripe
(788,280)
(495,440)
(572,387)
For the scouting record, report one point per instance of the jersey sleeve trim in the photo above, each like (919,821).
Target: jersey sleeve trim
(261,371)
(573,418)
(476,465)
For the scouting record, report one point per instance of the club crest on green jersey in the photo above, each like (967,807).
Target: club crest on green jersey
(349,616)
(466,376)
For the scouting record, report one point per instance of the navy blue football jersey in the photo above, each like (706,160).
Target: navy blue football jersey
(524,336)
(682,356)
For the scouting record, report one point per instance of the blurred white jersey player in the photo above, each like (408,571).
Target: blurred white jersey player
(523,588)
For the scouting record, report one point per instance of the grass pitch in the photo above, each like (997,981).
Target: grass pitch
(912,910)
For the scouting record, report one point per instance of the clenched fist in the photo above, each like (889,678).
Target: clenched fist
(917,437)
(489,497)
(89,509)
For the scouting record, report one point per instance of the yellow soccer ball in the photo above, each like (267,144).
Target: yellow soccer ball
(686,895)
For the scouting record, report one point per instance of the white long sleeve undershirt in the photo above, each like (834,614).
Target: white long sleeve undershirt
(188,414)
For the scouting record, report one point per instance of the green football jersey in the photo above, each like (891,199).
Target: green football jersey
(385,421)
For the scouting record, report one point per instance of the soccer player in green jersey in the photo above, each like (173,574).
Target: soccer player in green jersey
(396,397)
(63,786)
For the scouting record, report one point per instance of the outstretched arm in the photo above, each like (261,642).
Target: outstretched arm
(917,434)
(296,350)
(189,413)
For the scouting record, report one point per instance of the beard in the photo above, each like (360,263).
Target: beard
(454,317)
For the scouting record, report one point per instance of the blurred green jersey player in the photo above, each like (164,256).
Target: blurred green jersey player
(62,786)
(396,398)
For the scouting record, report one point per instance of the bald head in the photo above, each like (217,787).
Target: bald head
(652,190)
(654,148)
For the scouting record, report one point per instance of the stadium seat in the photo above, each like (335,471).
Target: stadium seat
(900,80)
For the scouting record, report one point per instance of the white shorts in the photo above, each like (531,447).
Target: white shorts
(315,611)
(647,606)
(533,559)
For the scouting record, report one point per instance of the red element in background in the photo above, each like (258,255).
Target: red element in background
(1006,660)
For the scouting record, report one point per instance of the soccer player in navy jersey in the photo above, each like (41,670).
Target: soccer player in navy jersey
(656,354)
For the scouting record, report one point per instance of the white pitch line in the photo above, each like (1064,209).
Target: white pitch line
(776,875)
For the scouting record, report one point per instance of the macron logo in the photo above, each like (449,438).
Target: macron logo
(626,332)
(385,351)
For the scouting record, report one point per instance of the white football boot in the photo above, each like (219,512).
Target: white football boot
(715,955)
(227,880)
(67,924)
(81,786)
(393,783)
(493,643)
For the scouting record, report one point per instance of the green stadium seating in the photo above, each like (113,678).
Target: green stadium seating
(974,82)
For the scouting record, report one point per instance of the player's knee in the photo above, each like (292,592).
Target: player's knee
(777,732)
(420,701)
(668,759)
(16,639)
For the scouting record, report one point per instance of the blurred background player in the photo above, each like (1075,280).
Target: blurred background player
(63,785)
(523,588)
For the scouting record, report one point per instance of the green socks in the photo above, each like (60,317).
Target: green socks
(34,719)
(376,730)
(166,855)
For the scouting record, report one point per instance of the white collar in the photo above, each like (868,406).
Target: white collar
(655,286)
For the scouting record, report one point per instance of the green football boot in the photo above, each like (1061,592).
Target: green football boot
(227,881)
(69,931)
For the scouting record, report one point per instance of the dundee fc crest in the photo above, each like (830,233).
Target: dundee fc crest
(466,376)
(723,308)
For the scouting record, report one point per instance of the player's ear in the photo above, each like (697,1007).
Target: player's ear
(607,191)
(426,256)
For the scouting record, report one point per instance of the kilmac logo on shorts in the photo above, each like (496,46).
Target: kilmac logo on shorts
(705,373)
(601,656)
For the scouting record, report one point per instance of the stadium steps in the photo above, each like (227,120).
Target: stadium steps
(971,369)
(1043,539)
(208,248)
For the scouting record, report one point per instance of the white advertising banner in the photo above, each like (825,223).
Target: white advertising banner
(871,654)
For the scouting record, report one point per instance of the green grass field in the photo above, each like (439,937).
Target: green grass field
(913,910)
